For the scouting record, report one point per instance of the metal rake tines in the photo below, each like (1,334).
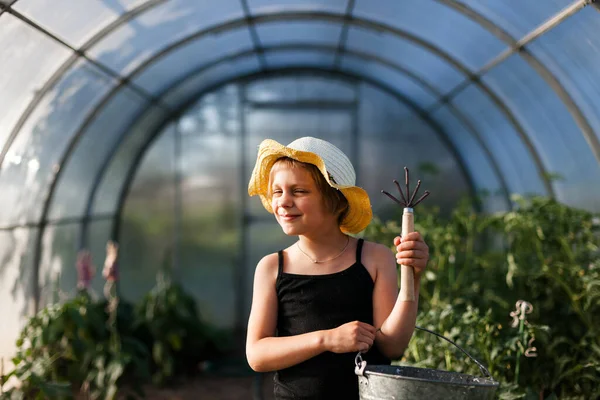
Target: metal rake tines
(406,201)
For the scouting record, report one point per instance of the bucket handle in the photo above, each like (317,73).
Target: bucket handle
(361,364)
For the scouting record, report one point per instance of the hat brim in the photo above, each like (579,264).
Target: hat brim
(359,214)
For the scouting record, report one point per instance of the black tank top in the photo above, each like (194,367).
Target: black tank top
(308,303)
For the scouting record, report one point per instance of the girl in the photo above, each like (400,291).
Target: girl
(328,296)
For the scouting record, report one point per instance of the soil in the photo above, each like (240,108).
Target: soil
(257,387)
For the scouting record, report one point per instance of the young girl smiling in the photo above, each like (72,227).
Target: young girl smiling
(329,295)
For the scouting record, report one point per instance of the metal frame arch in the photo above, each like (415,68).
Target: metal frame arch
(551,80)
(374,26)
(365,56)
(402,70)
(555,85)
(416,78)
(259,74)
(447,1)
(98,177)
(461,8)
(48,85)
(69,62)
(249,20)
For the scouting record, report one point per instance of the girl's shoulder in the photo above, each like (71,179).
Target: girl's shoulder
(267,267)
(376,256)
(374,250)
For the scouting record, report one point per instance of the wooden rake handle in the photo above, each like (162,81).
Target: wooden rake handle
(407,273)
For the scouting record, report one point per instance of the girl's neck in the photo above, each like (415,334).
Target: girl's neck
(324,244)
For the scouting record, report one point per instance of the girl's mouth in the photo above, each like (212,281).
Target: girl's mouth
(288,217)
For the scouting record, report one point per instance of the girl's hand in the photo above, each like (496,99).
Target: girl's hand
(412,251)
(350,337)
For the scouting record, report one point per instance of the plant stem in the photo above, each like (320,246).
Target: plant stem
(521,328)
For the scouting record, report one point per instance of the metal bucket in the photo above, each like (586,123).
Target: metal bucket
(387,382)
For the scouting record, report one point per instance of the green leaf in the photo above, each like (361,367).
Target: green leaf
(111,392)
(175,341)
(51,390)
(158,351)
(115,370)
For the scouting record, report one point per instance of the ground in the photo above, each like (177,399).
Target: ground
(218,388)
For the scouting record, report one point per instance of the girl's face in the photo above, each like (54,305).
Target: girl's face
(296,201)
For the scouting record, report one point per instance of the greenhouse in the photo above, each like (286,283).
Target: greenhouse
(129,130)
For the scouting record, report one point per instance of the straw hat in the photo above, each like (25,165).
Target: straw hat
(333,164)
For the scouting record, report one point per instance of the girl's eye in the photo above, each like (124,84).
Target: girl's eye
(277,191)
(300,191)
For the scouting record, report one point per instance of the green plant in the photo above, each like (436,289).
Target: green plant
(480,265)
(168,321)
(66,348)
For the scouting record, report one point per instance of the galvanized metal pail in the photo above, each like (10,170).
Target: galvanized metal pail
(387,382)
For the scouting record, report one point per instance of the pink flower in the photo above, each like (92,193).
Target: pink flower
(85,269)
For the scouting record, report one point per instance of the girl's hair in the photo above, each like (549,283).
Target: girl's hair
(333,198)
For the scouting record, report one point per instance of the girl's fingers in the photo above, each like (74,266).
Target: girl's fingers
(364,344)
(416,236)
(419,254)
(411,262)
(366,327)
(366,333)
(366,339)
(412,245)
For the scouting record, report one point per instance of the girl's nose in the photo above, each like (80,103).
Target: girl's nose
(285,200)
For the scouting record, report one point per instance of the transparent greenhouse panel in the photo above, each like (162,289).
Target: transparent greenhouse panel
(391,137)
(429,20)
(502,139)
(416,59)
(185,60)
(78,21)
(32,159)
(518,19)
(273,6)
(552,129)
(209,250)
(487,182)
(129,45)
(58,267)
(190,88)
(98,140)
(302,32)
(98,232)
(300,58)
(146,237)
(57,274)
(16,287)
(113,176)
(216,113)
(577,63)
(397,80)
(29,59)
(300,88)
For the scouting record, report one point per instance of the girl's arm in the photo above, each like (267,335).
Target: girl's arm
(265,352)
(396,318)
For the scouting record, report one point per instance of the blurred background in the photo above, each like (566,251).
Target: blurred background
(138,121)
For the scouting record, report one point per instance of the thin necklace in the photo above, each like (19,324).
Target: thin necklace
(323,261)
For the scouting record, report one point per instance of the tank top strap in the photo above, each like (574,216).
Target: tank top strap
(359,249)
(280,268)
